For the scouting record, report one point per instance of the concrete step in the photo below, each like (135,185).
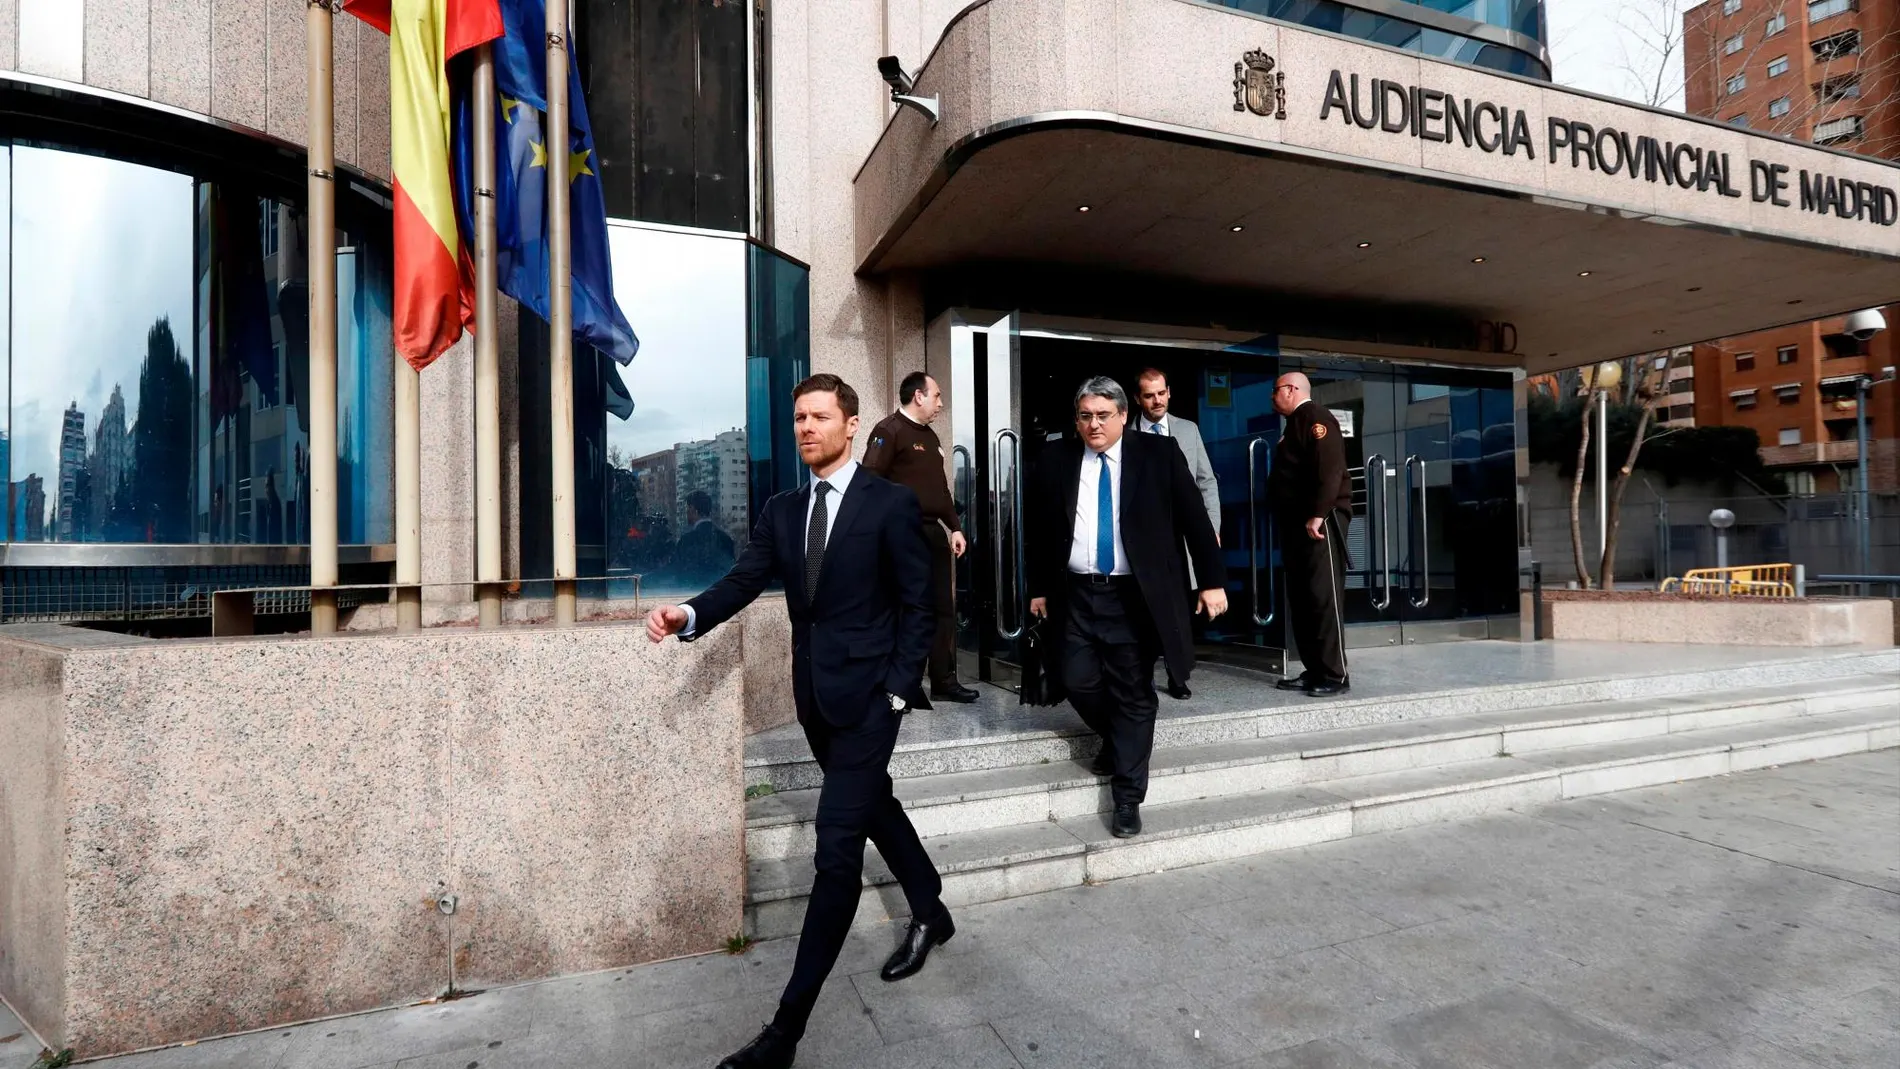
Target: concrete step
(987,864)
(781,825)
(783,761)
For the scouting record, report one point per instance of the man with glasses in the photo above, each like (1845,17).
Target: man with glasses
(1311,493)
(1110,515)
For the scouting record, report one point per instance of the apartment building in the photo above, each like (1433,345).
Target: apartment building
(1826,72)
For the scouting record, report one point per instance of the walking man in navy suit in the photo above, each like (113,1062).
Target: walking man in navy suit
(849,548)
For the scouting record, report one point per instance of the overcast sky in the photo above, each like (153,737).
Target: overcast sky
(1610,47)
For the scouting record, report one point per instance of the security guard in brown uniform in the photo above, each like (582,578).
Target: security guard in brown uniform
(1311,493)
(906,451)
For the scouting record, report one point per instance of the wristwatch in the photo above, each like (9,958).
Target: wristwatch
(898,704)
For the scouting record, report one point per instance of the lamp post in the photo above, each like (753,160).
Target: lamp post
(1862,326)
(1608,375)
(1721,520)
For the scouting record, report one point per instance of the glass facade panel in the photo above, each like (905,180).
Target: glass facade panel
(158,361)
(1524,16)
(668,491)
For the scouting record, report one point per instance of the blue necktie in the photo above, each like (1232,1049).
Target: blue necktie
(1104,521)
(1154,428)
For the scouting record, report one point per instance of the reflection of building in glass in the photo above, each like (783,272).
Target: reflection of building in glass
(718,466)
(74,493)
(26,505)
(109,470)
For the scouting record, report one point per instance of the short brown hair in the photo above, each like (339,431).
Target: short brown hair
(826,382)
(1151,373)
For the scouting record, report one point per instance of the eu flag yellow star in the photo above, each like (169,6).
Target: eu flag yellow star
(576,161)
(508,106)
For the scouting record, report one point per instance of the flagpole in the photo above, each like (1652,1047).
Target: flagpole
(408,405)
(560,320)
(487,352)
(321,193)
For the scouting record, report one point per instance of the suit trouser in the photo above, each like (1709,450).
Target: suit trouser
(854,803)
(1315,578)
(1108,655)
(943,588)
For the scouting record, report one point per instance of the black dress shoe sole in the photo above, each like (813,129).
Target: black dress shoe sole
(890,978)
(1180,694)
(1328,690)
(1291,683)
(1125,833)
(959,696)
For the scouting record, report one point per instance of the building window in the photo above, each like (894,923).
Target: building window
(1836,46)
(1730,7)
(670,494)
(167,394)
(1739,120)
(1733,45)
(1789,436)
(1788,393)
(1778,108)
(1744,361)
(1845,87)
(1744,399)
(1826,9)
(1737,83)
(1683,385)
(1837,130)
(1776,23)
(1777,66)
(1787,354)
(1662,362)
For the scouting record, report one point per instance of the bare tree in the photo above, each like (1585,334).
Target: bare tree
(1576,495)
(1642,387)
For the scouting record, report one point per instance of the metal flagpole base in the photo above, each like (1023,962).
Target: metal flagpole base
(566,602)
(408,608)
(488,596)
(323,612)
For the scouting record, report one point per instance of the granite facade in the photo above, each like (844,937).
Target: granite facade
(208,836)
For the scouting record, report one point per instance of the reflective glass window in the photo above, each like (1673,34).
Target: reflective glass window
(1524,16)
(158,358)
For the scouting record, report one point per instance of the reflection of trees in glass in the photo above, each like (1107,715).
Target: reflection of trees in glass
(161,441)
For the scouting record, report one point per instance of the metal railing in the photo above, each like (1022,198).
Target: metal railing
(1746,581)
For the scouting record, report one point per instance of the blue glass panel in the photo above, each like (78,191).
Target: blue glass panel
(1524,16)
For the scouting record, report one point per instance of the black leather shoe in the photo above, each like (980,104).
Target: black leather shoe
(1104,763)
(773,1049)
(919,939)
(1179,691)
(1326,688)
(1127,822)
(1298,682)
(953,691)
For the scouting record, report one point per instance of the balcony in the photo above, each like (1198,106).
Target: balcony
(1808,454)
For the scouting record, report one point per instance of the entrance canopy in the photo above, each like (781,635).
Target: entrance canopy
(1182,141)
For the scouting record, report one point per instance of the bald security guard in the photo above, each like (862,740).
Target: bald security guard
(1311,493)
(906,451)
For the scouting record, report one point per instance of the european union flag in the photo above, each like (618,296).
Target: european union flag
(521,198)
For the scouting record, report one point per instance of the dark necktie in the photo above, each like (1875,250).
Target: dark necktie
(1104,520)
(815,540)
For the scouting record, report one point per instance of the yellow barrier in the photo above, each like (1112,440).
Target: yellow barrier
(1746,581)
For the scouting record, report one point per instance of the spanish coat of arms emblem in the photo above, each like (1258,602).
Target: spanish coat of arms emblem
(1258,87)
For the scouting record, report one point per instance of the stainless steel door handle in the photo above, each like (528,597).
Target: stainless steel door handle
(1010,499)
(1254,540)
(1419,534)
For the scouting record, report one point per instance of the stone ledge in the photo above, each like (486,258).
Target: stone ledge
(1642,616)
(201,837)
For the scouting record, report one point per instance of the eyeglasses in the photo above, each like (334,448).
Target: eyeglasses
(1288,386)
(1093,418)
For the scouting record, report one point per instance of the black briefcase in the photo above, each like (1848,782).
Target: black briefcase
(1042,677)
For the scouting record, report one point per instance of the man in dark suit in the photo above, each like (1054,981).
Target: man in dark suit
(850,551)
(1105,566)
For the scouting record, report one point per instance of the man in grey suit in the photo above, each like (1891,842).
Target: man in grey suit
(1152,391)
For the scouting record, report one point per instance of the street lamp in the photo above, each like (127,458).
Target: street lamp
(1608,374)
(1721,520)
(1862,326)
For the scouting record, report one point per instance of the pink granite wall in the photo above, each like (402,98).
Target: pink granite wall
(257,830)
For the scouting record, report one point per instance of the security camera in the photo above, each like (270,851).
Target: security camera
(894,75)
(1862,326)
(901,86)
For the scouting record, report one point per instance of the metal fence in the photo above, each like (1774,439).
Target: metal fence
(159,593)
(1669,536)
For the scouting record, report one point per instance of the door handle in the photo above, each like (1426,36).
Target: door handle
(1254,540)
(958,475)
(1378,469)
(1417,532)
(1010,499)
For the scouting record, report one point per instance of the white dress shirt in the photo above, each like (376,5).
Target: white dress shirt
(1148,426)
(1088,505)
(840,481)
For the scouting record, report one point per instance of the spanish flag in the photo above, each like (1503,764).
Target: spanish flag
(434,298)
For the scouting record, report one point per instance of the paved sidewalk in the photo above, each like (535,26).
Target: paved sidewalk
(1747,922)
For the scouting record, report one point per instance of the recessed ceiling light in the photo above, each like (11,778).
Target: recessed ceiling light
(1695,289)
(1082,208)
(1583,274)
(1797,300)
(1365,244)
(1659,332)
(1477,259)
(1236,229)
